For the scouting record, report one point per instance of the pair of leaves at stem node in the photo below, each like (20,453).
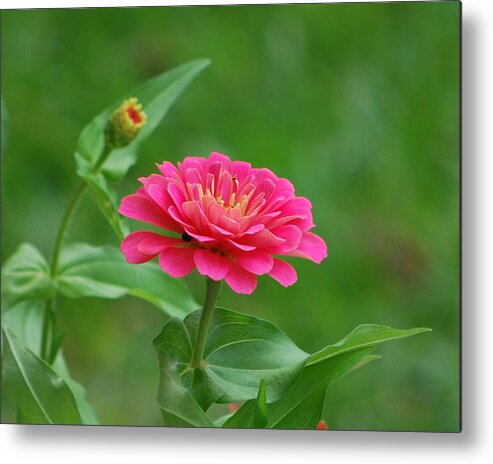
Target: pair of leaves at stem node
(88,271)
(250,359)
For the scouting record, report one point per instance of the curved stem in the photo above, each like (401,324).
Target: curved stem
(211,296)
(49,314)
(62,232)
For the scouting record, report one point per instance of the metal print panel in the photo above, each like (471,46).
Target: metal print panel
(232,216)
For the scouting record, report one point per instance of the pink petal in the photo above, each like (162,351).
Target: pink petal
(255,262)
(283,272)
(211,264)
(291,236)
(198,237)
(169,170)
(175,214)
(225,186)
(193,166)
(292,220)
(176,194)
(254,229)
(266,187)
(229,224)
(162,199)
(153,179)
(221,231)
(284,187)
(241,281)
(194,176)
(129,248)
(240,246)
(196,216)
(240,169)
(214,169)
(153,244)
(213,210)
(177,262)
(143,209)
(223,159)
(263,239)
(311,247)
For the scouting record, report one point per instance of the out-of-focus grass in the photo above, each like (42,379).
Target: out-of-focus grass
(357,104)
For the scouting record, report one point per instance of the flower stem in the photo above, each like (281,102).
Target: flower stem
(212,294)
(49,314)
(62,232)
(48,331)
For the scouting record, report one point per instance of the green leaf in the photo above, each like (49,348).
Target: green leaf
(261,414)
(325,367)
(42,397)
(242,350)
(178,406)
(26,275)
(363,336)
(25,322)
(156,95)
(301,407)
(88,271)
(366,360)
(253,413)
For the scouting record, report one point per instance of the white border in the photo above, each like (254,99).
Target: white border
(76,445)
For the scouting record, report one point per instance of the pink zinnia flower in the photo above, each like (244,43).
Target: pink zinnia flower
(233,222)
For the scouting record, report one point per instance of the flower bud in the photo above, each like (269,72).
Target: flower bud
(125,123)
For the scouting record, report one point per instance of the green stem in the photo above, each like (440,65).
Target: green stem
(67,218)
(211,296)
(48,324)
(48,331)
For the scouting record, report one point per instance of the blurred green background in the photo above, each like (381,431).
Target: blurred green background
(357,104)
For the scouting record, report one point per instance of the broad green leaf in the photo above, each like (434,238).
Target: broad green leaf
(157,96)
(243,350)
(42,397)
(178,406)
(363,336)
(26,275)
(252,414)
(25,322)
(240,352)
(88,271)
